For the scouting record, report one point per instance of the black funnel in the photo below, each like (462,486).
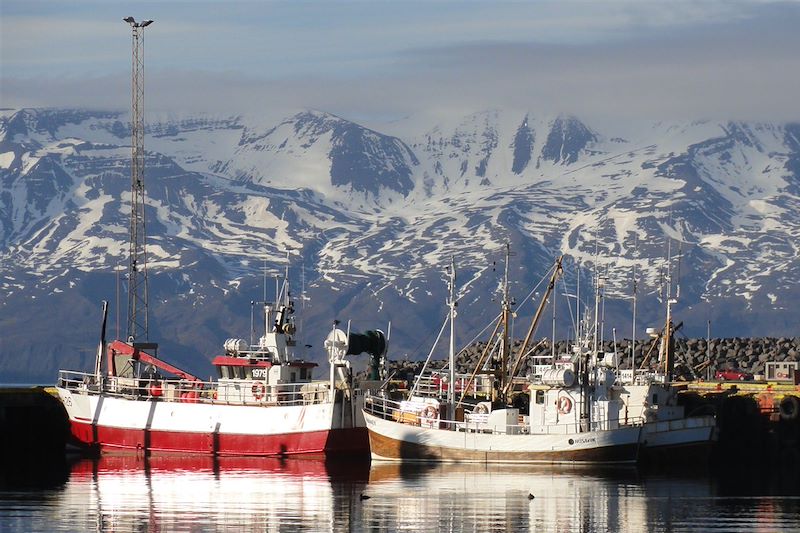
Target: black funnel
(372,342)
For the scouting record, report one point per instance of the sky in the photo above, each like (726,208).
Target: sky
(671,59)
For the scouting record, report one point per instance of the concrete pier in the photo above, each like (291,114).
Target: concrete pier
(758,422)
(34,423)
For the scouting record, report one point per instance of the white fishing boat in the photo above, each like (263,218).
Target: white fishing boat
(567,420)
(645,394)
(578,407)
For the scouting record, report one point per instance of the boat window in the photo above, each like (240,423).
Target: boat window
(540,396)
(237,372)
(303,373)
(224,372)
(655,398)
(248,372)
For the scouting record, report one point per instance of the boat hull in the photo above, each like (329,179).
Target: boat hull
(679,433)
(153,426)
(394,441)
(683,441)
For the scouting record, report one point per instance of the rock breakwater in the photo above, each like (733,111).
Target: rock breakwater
(695,358)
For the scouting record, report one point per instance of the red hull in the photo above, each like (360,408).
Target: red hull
(114,463)
(352,441)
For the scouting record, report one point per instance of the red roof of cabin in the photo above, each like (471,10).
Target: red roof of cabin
(224,360)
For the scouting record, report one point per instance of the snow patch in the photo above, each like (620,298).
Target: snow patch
(6,159)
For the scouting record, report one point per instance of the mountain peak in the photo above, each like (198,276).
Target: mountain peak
(351,158)
(567,138)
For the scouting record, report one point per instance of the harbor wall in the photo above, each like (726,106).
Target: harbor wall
(34,423)
(758,424)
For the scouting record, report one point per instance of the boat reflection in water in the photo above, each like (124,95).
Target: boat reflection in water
(472,497)
(130,493)
(198,493)
(459,497)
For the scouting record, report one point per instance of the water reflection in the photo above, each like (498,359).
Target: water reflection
(129,493)
(492,498)
(477,498)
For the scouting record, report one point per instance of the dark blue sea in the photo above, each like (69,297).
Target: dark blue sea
(129,493)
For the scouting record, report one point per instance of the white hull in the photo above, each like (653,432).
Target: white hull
(149,424)
(396,441)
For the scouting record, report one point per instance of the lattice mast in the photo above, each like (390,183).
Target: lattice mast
(137,265)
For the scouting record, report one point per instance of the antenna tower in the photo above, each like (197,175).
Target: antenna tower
(137,267)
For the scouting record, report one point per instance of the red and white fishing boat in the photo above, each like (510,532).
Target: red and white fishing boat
(265,401)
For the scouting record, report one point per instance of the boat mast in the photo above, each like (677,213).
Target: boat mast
(265,303)
(589,364)
(633,328)
(553,337)
(451,398)
(578,319)
(667,344)
(98,362)
(285,292)
(598,285)
(523,349)
(505,341)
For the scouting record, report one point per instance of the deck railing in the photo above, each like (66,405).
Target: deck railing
(436,384)
(225,392)
(425,412)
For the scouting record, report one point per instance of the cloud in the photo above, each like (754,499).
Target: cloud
(726,60)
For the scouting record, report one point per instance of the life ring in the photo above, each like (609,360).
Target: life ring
(258,390)
(430,412)
(481,409)
(189,396)
(155,389)
(789,408)
(564,405)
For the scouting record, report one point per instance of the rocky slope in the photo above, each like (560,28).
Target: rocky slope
(369,218)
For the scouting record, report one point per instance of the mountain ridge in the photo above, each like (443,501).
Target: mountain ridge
(370,219)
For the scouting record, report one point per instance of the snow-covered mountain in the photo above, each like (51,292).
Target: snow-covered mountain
(370,219)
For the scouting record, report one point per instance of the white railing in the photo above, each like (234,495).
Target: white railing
(427,415)
(436,384)
(224,392)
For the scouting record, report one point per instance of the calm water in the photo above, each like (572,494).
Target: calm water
(125,493)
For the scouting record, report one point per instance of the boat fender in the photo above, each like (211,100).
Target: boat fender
(564,405)
(430,412)
(190,396)
(155,389)
(258,390)
(789,408)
